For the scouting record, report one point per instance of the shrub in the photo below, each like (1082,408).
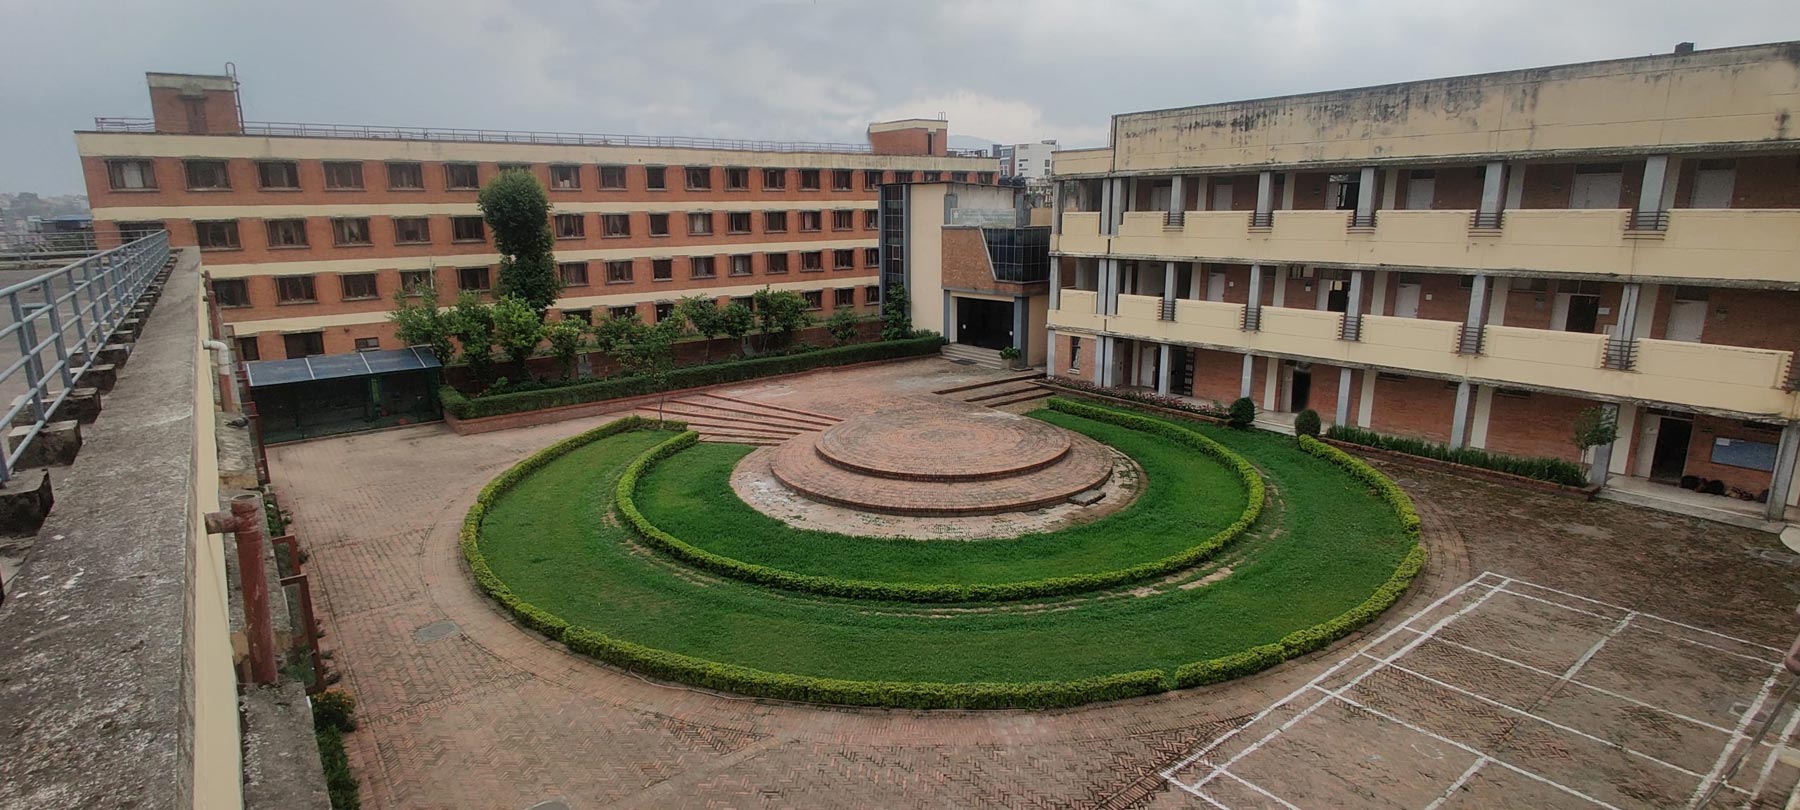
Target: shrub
(1242,414)
(517,329)
(334,709)
(423,323)
(779,313)
(842,326)
(565,342)
(1142,397)
(1307,423)
(1009,353)
(896,313)
(1554,470)
(333,714)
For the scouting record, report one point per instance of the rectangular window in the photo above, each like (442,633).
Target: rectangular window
(359,286)
(840,179)
(133,231)
(699,178)
(468,229)
(619,271)
(248,348)
(740,265)
(515,167)
(775,264)
(774,179)
(843,260)
(872,294)
(368,344)
(343,175)
(414,282)
(774,222)
(231,292)
(844,297)
(659,224)
(737,222)
(350,231)
(286,233)
(473,279)
(412,230)
(871,257)
(871,179)
(664,311)
(933,177)
(737,179)
(615,226)
(815,299)
(903,176)
(662,269)
(612,177)
(843,220)
(204,175)
(583,315)
(574,274)
(700,267)
(812,261)
(462,176)
(131,175)
(304,344)
(810,220)
(809,179)
(406,176)
(278,174)
(218,234)
(984,178)
(1074,354)
(565,177)
(959,177)
(295,290)
(656,178)
(571,226)
(700,223)
(621,312)
(871,219)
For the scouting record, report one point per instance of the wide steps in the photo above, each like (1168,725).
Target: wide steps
(725,419)
(973,355)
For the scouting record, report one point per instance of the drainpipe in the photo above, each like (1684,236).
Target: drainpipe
(222,357)
(245,523)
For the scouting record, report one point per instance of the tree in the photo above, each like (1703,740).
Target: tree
(842,326)
(780,313)
(423,323)
(1306,423)
(1595,427)
(517,208)
(1242,413)
(652,355)
(517,330)
(735,322)
(472,324)
(612,335)
(704,315)
(896,313)
(565,342)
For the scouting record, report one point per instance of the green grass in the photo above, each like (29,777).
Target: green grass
(1187,498)
(553,541)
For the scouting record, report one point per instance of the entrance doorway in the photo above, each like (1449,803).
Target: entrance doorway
(1301,388)
(1584,313)
(1668,461)
(984,323)
(1406,301)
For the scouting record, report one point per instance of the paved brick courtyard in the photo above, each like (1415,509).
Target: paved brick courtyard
(463,709)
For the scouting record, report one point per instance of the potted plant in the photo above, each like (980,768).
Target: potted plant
(1012,357)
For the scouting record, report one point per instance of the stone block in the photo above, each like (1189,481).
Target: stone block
(82,405)
(55,446)
(114,354)
(101,377)
(24,502)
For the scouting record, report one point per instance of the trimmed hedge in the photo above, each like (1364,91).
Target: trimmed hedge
(462,406)
(1554,470)
(625,497)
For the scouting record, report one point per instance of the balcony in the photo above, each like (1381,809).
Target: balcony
(1697,244)
(1081,161)
(1725,378)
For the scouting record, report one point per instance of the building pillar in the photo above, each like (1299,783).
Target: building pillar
(1196,290)
(1651,194)
(1249,371)
(1603,453)
(1106,203)
(1121,204)
(1056,208)
(1175,194)
(1265,195)
(1169,282)
(1254,307)
(1365,402)
(1378,294)
(1342,417)
(1353,306)
(1162,369)
(1497,297)
(1493,186)
(1781,481)
(1621,455)
(1056,282)
(1476,318)
(1271,383)
(1050,352)
(1021,338)
(1288,181)
(949,317)
(1459,421)
(1365,196)
(1103,284)
(1478,424)
(1390,188)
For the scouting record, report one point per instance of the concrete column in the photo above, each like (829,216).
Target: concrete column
(1162,369)
(1478,423)
(949,317)
(1278,284)
(1106,203)
(1496,311)
(1342,417)
(1265,193)
(1365,194)
(1378,294)
(1459,421)
(1056,208)
(1169,281)
(1515,187)
(1629,311)
(1289,180)
(1353,307)
(1050,352)
(1271,383)
(1650,195)
(1603,453)
(1175,194)
(1621,456)
(1255,299)
(1365,403)
(1477,303)
(1056,282)
(1390,188)
(1103,284)
(1781,481)
(1249,371)
(1021,337)
(1196,291)
(1492,187)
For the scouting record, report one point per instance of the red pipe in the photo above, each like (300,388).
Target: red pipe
(245,523)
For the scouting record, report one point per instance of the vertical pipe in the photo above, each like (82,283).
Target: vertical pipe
(247,531)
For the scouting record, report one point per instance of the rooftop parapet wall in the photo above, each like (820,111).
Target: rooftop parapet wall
(1738,96)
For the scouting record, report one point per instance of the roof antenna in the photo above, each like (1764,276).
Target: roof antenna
(236,97)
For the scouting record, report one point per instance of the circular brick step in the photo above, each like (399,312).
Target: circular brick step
(933,441)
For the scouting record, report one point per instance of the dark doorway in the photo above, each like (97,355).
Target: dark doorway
(1302,389)
(984,323)
(1338,298)
(1584,313)
(1669,460)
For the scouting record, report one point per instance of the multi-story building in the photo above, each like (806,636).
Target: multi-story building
(1472,260)
(1031,161)
(307,231)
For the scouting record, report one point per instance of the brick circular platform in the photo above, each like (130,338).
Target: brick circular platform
(940,458)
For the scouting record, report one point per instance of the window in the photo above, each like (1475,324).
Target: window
(737,222)
(774,179)
(205,175)
(515,167)
(571,226)
(343,175)
(219,234)
(247,348)
(662,269)
(615,226)
(740,265)
(414,282)
(359,286)
(843,297)
(699,178)
(131,175)
(959,177)
(871,219)
(843,260)
(656,177)
(231,292)
(700,267)
(843,220)
(304,344)
(933,177)
(406,176)
(774,222)
(467,229)
(621,312)
(618,271)
(840,179)
(473,279)
(462,176)
(903,176)
(295,290)
(872,294)
(1074,354)
(565,177)
(583,315)
(815,299)
(278,174)
(412,230)
(574,274)
(871,179)
(664,311)
(737,179)
(659,224)
(775,264)
(809,179)
(700,223)
(285,233)
(612,177)
(871,257)
(809,220)
(368,344)
(133,231)
(812,261)
(350,231)
(984,178)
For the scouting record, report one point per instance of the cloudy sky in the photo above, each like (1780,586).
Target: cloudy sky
(783,69)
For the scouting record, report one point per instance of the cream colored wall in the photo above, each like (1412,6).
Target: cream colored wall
(1734,95)
(1035,326)
(218,762)
(925,255)
(1067,162)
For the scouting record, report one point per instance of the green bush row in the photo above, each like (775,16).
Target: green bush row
(626,498)
(462,406)
(1554,470)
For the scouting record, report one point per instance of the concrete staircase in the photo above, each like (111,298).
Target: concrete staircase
(719,418)
(998,393)
(973,356)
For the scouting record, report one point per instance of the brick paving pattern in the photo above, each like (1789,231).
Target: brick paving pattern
(463,709)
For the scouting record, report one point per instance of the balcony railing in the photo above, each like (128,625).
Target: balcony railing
(1363,220)
(1470,339)
(1486,220)
(1166,310)
(1350,328)
(1262,219)
(1172,220)
(1647,221)
(1252,318)
(1621,353)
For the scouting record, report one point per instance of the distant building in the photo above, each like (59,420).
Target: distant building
(1028,160)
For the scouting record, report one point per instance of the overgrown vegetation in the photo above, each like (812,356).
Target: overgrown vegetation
(334,714)
(1553,470)
(896,313)
(1206,410)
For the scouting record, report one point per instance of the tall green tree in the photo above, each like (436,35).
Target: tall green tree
(517,209)
(423,323)
(565,342)
(735,322)
(472,324)
(703,314)
(517,330)
(780,313)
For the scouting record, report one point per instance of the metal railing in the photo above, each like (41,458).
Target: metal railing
(1647,221)
(1470,339)
(1793,372)
(1363,220)
(1621,353)
(1262,219)
(1350,328)
(60,322)
(1173,220)
(1486,220)
(1165,310)
(1253,318)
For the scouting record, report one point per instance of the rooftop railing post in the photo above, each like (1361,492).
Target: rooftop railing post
(56,336)
(34,374)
